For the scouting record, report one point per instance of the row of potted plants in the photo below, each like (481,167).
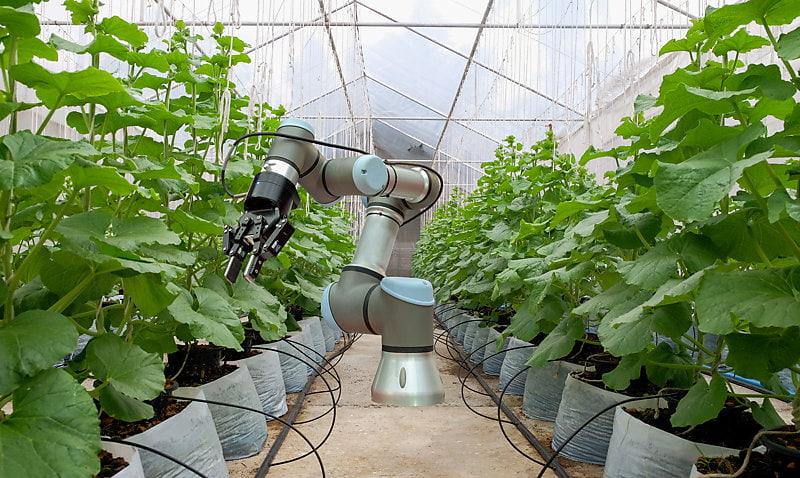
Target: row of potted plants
(685,262)
(115,237)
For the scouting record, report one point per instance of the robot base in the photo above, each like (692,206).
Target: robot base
(407,379)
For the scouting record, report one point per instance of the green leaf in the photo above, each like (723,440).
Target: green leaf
(738,235)
(789,45)
(759,356)
(766,415)
(651,269)
(703,402)
(212,318)
(606,300)
(37,159)
(51,88)
(128,234)
(559,342)
(667,376)
(23,353)
(122,407)
(19,22)
(53,429)
(88,175)
(131,370)
(123,30)
(629,368)
(10,107)
(763,298)
(724,20)
(190,223)
(148,292)
(689,191)
(567,209)
(266,312)
(82,10)
(500,232)
(741,42)
(28,48)
(780,205)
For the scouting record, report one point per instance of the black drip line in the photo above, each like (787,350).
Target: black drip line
(501,407)
(288,424)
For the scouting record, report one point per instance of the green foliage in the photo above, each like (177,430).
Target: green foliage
(118,235)
(697,233)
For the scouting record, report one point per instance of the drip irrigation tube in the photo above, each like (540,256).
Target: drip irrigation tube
(298,405)
(512,417)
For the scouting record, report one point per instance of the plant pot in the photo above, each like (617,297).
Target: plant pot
(511,381)
(469,334)
(190,437)
(461,329)
(265,370)
(639,450)
(293,363)
(543,389)
(131,455)
(311,326)
(493,360)
(580,401)
(242,433)
(331,336)
(478,348)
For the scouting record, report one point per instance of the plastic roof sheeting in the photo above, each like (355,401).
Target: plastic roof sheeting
(441,82)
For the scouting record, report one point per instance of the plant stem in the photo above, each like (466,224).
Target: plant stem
(765,209)
(50,113)
(83,330)
(15,277)
(774,42)
(70,296)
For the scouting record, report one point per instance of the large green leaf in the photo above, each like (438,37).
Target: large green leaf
(52,88)
(629,368)
(123,30)
(148,292)
(740,42)
(763,298)
(131,370)
(559,342)
(651,269)
(36,159)
(702,403)
(53,430)
(212,318)
(689,191)
(789,45)
(266,312)
(130,233)
(20,22)
(87,175)
(24,353)
(759,356)
(122,407)
(724,20)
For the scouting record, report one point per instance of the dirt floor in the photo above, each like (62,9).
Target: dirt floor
(370,440)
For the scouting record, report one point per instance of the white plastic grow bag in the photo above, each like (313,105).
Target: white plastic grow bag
(639,450)
(190,437)
(242,433)
(265,370)
(543,389)
(513,362)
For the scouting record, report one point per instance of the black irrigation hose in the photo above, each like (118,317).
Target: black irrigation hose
(316,368)
(273,451)
(157,452)
(330,370)
(540,448)
(242,407)
(592,418)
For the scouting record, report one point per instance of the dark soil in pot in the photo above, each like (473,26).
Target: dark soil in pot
(211,355)
(164,408)
(110,465)
(581,351)
(734,427)
(640,387)
(232,355)
(767,465)
(196,375)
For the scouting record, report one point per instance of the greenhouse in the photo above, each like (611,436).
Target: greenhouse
(558,238)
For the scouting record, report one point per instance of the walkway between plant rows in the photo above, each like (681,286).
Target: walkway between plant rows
(371,440)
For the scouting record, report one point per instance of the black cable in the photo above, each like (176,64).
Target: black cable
(333,405)
(280,135)
(153,450)
(503,430)
(330,371)
(215,402)
(592,418)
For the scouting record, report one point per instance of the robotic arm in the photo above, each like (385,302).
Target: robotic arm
(364,300)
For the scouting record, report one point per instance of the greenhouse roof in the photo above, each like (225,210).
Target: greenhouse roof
(441,82)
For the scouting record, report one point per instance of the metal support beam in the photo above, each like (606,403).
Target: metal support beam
(464,75)
(337,60)
(498,26)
